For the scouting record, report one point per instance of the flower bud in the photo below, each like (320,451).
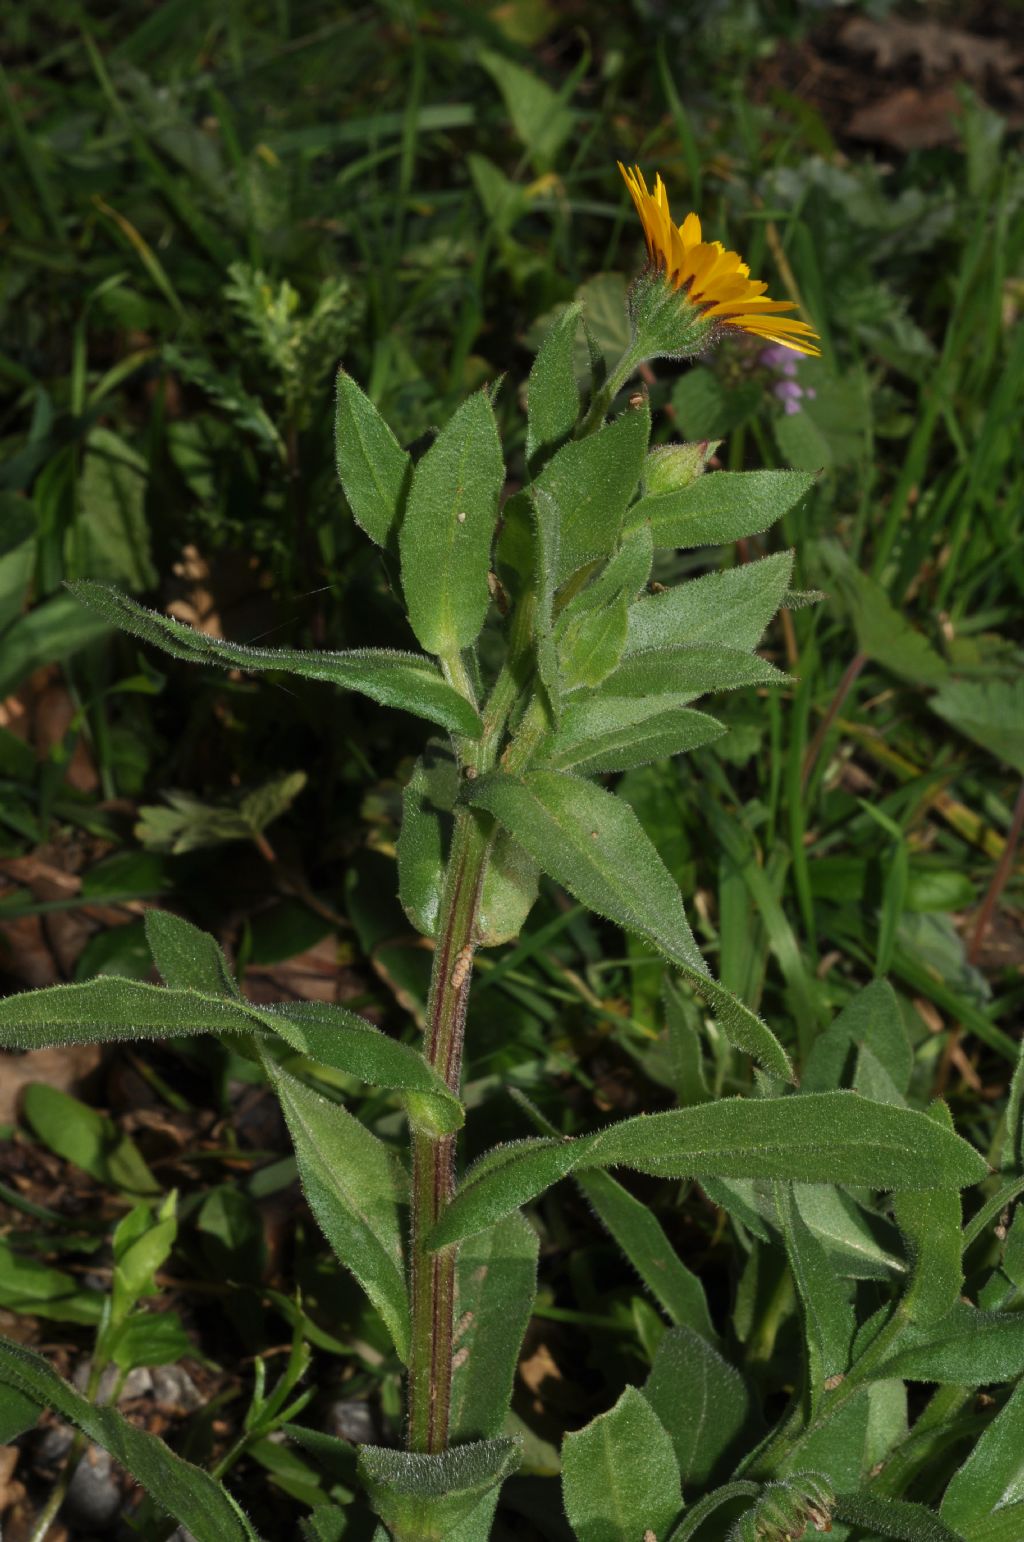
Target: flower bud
(670,467)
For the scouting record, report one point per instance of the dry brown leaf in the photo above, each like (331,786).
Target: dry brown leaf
(909,119)
(938,49)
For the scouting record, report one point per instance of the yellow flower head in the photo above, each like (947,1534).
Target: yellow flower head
(717,282)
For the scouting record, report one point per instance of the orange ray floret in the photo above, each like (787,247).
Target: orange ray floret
(716,281)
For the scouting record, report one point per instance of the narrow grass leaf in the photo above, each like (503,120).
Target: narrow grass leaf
(642,1238)
(187,1493)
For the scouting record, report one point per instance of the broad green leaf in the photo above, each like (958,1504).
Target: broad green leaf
(967,1348)
(18,1413)
(893,1518)
(825,1301)
(591,630)
(187,958)
(703,1403)
(732,607)
(720,506)
(882,632)
(423,1498)
(689,671)
(405,680)
(552,395)
(427,804)
(496,1284)
(445,537)
(615,733)
(641,1237)
(49,633)
(150,1338)
(930,1223)
(30,1286)
(1004,1525)
(829,1137)
(187,1493)
(593,844)
(851,1242)
(591,481)
(509,892)
(373,468)
(871,1019)
(992,1475)
(541,118)
(544,563)
(350,1182)
(110,539)
(81,1135)
(620,1478)
(991,712)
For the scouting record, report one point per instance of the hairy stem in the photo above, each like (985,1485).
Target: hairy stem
(433,1274)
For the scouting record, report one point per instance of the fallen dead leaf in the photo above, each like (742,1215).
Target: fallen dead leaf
(934,47)
(64,1068)
(910,119)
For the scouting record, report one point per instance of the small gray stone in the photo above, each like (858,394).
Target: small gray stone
(94,1498)
(53,1444)
(173,1387)
(352,1419)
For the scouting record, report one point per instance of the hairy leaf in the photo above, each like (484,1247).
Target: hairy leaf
(702,1401)
(720,506)
(620,1478)
(405,680)
(373,468)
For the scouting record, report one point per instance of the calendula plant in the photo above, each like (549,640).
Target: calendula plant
(548,663)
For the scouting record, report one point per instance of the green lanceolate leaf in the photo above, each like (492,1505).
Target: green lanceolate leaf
(18,1413)
(509,892)
(615,733)
(187,1493)
(824,1298)
(620,1479)
(591,481)
(329,1035)
(702,1401)
(872,1020)
(403,680)
(642,1238)
(689,671)
(445,538)
(187,958)
(719,507)
(893,1518)
(423,1498)
(427,804)
(546,559)
(351,1184)
(591,630)
(966,1348)
(732,607)
(109,1009)
(373,469)
(496,1284)
(992,1476)
(552,395)
(592,843)
(831,1137)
